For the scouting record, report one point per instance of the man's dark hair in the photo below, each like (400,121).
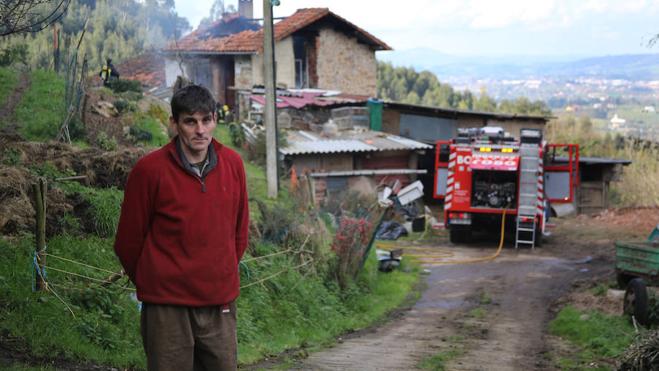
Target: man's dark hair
(191,99)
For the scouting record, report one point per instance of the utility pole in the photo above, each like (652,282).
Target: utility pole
(270,113)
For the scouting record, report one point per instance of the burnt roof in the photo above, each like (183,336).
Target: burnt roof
(210,41)
(147,68)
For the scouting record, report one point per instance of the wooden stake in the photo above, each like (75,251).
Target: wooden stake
(40,235)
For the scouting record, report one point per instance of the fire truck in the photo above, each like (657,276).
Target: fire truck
(484,172)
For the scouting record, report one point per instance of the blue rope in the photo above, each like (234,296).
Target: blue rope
(37,270)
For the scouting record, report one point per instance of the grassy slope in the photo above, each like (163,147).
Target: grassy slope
(297,308)
(8,80)
(41,109)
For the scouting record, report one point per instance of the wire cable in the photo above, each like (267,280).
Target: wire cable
(274,275)
(77,262)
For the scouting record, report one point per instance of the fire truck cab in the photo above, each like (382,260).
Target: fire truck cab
(484,172)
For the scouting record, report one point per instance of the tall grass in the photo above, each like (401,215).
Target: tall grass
(639,182)
(41,110)
(8,80)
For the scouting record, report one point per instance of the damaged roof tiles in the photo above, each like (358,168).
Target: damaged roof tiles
(251,41)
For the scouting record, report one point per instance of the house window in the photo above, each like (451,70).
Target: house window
(301,62)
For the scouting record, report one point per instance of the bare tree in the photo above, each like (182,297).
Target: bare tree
(19,16)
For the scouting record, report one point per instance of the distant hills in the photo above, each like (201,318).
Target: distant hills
(633,67)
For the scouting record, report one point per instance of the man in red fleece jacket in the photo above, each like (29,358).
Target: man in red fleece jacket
(182,232)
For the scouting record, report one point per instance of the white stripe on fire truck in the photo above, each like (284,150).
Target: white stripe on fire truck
(448,198)
(449,181)
(451,164)
(452,156)
(447,205)
(449,189)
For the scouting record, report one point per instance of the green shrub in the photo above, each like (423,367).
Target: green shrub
(237,134)
(13,54)
(106,142)
(77,129)
(148,130)
(121,105)
(121,85)
(158,112)
(11,157)
(131,96)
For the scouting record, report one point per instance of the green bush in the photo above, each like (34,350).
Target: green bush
(121,105)
(148,130)
(120,86)
(237,134)
(77,129)
(13,54)
(131,96)
(105,142)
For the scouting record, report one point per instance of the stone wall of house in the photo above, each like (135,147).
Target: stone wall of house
(243,71)
(285,61)
(344,64)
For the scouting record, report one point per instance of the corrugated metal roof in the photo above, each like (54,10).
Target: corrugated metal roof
(595,160)
(302,142)
(326,146)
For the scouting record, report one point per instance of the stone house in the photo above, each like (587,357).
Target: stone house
(314,48)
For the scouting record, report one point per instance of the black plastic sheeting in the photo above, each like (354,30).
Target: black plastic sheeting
(390,230)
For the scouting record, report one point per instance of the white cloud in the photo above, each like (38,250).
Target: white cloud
(428,23)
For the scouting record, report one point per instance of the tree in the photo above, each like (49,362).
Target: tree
(23,16)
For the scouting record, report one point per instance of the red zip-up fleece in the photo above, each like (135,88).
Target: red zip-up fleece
(180,237)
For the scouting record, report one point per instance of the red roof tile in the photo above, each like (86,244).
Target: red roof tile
(252,41)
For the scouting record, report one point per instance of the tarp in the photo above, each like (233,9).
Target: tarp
(494,162)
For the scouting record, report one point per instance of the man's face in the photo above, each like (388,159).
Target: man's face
(195,131)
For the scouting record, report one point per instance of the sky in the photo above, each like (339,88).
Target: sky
(487,27)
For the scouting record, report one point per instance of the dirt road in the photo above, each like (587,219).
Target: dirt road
(487,316)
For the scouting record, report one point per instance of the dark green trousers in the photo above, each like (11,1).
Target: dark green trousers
(182,338)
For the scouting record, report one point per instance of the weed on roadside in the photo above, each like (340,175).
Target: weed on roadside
(438,361)
(599,338)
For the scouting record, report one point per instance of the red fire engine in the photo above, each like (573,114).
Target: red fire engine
(483,172)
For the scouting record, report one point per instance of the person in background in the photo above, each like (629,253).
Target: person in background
(108,72)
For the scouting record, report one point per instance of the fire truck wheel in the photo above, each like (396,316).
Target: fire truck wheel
(636,301)
(459,235)
(538,237)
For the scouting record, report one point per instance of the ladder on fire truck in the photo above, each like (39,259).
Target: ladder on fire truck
(528,194)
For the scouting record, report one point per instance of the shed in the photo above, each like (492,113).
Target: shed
(357,159)
(595,177)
